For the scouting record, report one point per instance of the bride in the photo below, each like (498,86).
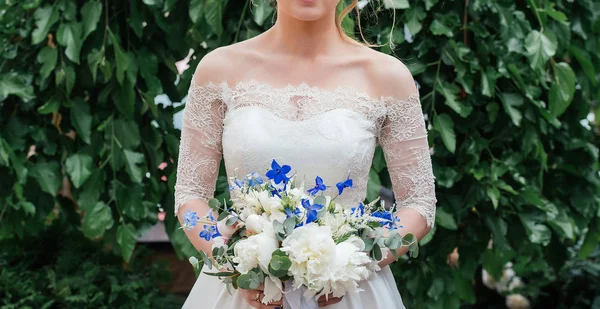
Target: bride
(305,94)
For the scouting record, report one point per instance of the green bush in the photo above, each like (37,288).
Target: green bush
(507,87)
(63,269)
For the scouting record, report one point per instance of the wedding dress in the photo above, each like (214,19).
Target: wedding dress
(329,133)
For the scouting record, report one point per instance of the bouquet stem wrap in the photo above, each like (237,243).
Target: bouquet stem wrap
(295,299)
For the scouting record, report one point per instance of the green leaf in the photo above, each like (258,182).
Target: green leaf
(584,61)
(97,221)
(90,192)
(47,57)
(213,13)
(445,219)
(69,35)
(47,174)
(122,59)
(132,159)
(90,12)
(124,99)
(52,106)
(396,4)
(126,132)
(249,281)
(262,10)
(444,124)
(460,108)
(14,84)
(540,47)
(563,89)
(196,9)
(94,58)
(126,238)
(536,232)
(44,20)
(494,194)
(81,119)
(79,168)
(510,101)
(592,238)
(437,28)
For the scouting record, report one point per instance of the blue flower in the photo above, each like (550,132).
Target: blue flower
(311,210)
(319,186)
(190,219)
(385,215)
(209,232)
(358,211)
(289,212)
(278,172)
(344,184)
(254,179)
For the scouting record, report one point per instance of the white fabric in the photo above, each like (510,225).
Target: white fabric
(330,133)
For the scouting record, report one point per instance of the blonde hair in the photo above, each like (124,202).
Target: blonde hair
(354,5)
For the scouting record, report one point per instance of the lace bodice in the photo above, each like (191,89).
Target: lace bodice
(328,133)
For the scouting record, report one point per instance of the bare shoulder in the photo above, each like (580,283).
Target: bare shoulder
(222,64)
(390,75)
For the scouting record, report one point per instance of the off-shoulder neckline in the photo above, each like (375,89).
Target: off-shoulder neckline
(304,87)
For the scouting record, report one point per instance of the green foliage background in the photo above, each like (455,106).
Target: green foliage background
(506,87)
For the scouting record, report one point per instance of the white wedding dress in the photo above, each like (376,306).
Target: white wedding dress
(328,133)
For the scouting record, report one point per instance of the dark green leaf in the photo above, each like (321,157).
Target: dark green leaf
(126,237)
(97,220)
(44,20)
(132,164)
(47,174)
(79,168)
(444,124)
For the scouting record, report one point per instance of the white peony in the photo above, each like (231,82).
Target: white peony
(255,250)
(312,251)
(350,266)
(255,224)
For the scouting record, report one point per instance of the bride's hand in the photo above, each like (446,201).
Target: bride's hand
(330,300)
(254,298)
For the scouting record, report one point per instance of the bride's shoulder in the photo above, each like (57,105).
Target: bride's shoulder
(222,64)
(390,76)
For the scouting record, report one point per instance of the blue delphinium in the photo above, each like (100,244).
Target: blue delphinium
(319,186)
(209,232)
(278,173)
(190,219)
(289,212)
(358,211)
(254,179)
(311,210)
(344,184)
(387,215)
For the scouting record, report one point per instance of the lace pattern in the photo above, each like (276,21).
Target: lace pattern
(327,115)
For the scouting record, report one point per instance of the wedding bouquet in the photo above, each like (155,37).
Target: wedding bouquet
(297,242)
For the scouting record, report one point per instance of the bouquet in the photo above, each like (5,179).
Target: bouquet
(297,241)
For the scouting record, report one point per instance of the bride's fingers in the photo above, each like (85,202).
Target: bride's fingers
(330,300)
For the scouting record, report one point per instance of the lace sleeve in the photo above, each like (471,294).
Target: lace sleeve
(403,138)
(200,145)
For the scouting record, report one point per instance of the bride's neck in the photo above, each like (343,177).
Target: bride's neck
(305,38)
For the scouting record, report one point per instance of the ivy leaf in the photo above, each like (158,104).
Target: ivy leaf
(97,220)
(132,159)
(44,18)
(52,106)
(124,99)
(195,11)
(47,174)
(90,192)
(540,47)
(396,4)
(126,238)
(584,61)
(460,108)
(445,220)
(444,124)
(437,28)
(79,168)
(262,11)
(494,194)
(213,13)
(14,84)
(94,59)
(90,13)
(47,57)
(122,59)
(510,101)
(69,35)
(563,89)
(81,119)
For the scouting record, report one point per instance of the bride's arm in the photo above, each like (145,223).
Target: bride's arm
(199,150)
(403,138)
